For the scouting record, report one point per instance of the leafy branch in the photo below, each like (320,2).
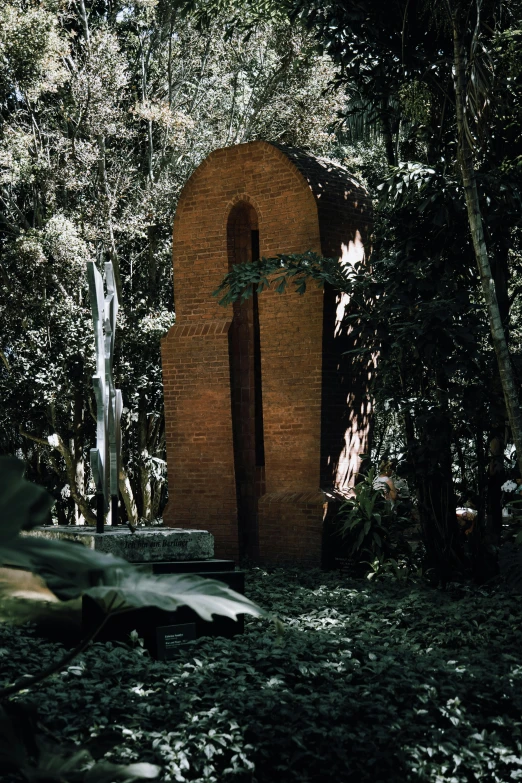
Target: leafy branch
(281,271)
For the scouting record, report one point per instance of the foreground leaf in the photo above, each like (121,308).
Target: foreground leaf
(205,596)
(68,568)
(105,772)
(71,570)
(23,505)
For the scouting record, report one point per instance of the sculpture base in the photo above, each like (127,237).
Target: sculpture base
(164,632)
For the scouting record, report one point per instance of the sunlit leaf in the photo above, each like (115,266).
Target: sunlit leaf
(105,772)
(205,596)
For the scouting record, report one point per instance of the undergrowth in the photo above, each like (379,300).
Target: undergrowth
(381,682)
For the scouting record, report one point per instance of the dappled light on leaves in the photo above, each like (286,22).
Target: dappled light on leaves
(398,672)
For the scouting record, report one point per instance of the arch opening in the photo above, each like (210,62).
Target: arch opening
(245,383)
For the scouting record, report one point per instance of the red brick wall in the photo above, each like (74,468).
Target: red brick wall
(200,456)
(196,366)
(291,527)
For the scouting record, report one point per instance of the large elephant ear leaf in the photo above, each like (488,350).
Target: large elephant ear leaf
(68,568)
(23,505)
(71,569)
(205,596)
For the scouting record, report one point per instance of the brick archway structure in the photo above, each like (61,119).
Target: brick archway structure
(261,409)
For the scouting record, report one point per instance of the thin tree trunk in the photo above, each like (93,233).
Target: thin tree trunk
(496,471)
(481,466)
(144,469)
(56,442)
(496,477)
(128,497)
(481,254)
(169,61)
(77,446)
(146,493)
(387,133)
(156,499)
(70,468)
(153,261)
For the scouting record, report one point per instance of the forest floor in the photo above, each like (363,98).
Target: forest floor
(381,681)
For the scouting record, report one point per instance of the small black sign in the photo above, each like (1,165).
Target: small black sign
(170,637)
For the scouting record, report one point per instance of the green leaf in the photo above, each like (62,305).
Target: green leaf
(68,568)
(205,596)
(105,772)
(23,505)
(71,570)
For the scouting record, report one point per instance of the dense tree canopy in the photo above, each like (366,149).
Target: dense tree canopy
(106,109)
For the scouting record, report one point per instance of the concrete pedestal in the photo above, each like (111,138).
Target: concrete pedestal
(156,551)
(146,545)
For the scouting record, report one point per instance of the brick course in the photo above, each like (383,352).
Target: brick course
(297,203)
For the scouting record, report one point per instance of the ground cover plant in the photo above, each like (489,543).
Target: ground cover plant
(371,681)
(71,571)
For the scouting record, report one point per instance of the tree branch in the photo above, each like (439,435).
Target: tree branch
(55,442)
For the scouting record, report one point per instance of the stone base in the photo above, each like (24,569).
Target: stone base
(200,567)
(164,632)
(146,545)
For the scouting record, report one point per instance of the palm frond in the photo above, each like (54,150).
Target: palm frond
(360,122)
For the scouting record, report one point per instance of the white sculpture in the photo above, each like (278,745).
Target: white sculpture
(105,458)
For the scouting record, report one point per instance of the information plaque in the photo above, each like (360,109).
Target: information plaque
(170,637)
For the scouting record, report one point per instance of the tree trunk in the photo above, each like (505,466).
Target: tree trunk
(433,468)
(128,497)
(496,477)
(467,168)
(153,262)
(70,468)
(144,464)
(387,133)
(496,470)
(146,493)
(77,448)
(56,442)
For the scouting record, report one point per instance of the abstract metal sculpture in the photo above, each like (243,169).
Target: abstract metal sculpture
(106,457)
